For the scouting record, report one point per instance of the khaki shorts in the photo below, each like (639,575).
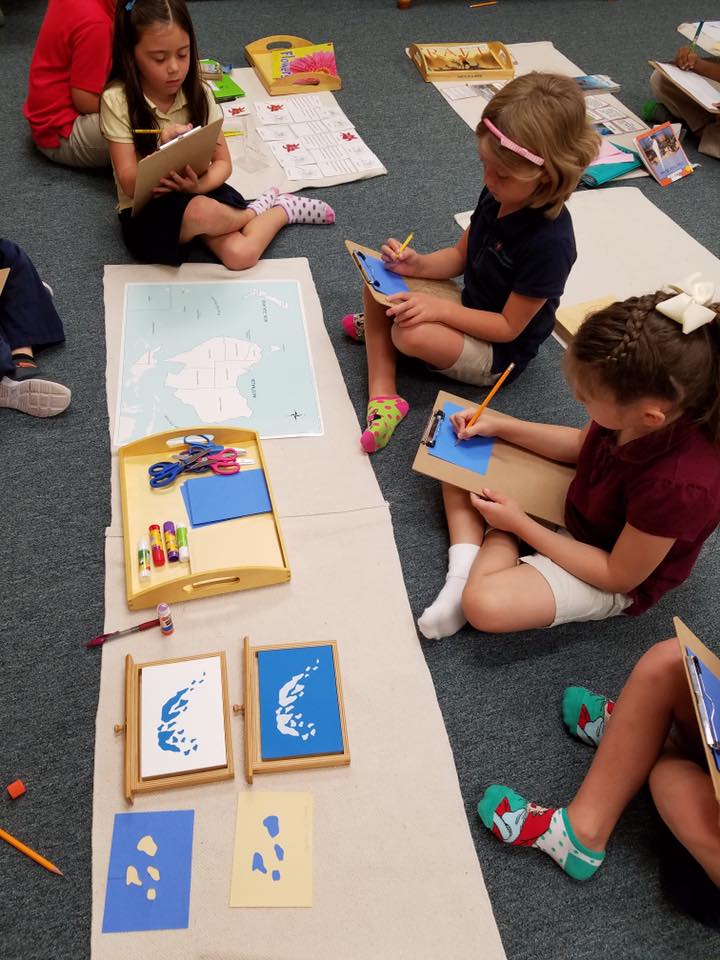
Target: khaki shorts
(575,600)
(85,147)
(474,365)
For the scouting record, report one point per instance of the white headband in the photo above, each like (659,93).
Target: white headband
(689,308)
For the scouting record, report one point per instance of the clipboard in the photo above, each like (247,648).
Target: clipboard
(195,147)
(539,485)
(703,91)
(709,664)
(365,259)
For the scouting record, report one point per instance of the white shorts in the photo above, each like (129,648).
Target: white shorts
(575,600)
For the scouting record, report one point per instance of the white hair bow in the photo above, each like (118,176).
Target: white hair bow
(689,306)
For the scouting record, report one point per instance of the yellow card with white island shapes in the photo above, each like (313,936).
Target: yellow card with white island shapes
(272,862)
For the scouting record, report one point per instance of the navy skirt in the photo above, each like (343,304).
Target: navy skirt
(28,317)
(153,236)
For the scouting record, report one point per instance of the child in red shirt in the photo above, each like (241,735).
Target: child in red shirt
(646,493)
(68,72)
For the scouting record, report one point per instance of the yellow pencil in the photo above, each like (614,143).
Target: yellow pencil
(29,853)
(486,3)
(403,245)
(146,131)
(476,416)
(233,133)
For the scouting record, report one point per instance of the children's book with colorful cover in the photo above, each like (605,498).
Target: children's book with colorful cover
(314,58)
(222,84)
(596,81)
(662,154)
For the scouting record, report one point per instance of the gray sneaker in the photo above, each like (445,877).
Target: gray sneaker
(36,397)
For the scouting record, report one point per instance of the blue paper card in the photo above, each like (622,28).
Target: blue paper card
(473,454)
(299,710)
(378,275)
(148,885)
(213,499)
(711,696)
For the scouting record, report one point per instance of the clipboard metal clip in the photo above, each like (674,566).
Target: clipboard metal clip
(366,269)
(431,430)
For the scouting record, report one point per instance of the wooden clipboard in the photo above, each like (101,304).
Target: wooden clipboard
(688,90)
(195,148)
(539,485)
(686,638)
(438,288)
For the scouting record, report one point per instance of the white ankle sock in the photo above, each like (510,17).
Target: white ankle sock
(445,616)
(305,209)
(265,202)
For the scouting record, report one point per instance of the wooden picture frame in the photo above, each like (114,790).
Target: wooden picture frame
(133,781)
(250,709)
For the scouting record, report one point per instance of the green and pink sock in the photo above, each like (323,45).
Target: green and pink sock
(383,416)
(521,823)
(585,714)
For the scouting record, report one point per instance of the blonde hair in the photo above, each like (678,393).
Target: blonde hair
(546,114)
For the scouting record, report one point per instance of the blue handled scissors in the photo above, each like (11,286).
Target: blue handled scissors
(198,457)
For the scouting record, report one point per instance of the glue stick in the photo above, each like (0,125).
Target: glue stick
(143,560)
(182,542)
(171,547)
(166,624)
(156,547)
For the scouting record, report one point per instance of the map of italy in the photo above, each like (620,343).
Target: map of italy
(208,381)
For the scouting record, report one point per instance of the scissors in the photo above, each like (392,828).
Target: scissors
(198,457)
(224,462)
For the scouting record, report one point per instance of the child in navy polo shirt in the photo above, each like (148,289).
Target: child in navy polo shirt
(633,748)
(534,141)
(646,492)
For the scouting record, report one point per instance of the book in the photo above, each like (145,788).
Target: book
(591,83)
(613,160)
(313,58)
(706,93)
(662,154)
(222,84)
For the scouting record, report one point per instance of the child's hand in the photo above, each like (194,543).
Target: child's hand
(409,309)
(173,130)
(686,58)
(487,425)
(187,182)
(405,264)
(500,512)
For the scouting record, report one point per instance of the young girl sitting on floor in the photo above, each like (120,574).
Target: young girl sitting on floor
(155,85)
(650,734)
(534,141)
(646,492)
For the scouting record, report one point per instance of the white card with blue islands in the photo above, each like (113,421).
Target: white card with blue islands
(272,862)
(148,883)
(182,717)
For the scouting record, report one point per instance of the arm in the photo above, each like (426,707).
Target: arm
(439,265)
(124,161)
(546,439)
(188,181)
(84,101)
(687,59)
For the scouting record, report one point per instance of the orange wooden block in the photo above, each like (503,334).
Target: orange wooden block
(16,789)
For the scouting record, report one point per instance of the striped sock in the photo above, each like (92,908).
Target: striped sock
(521,823)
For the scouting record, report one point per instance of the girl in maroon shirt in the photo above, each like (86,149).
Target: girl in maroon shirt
(646,493)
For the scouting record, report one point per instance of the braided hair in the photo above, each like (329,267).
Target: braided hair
(633,351)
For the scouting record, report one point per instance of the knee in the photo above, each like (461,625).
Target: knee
(661,664)
(409,340)
(241,259)
(199,214)
(484,609)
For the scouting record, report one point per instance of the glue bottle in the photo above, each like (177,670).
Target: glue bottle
(182,542)
(143,560)
(156,546)
(166,624)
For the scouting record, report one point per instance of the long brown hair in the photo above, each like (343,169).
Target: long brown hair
(634,352)
(129,25)
(546,114)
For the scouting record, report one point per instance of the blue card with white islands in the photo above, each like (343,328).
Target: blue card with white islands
(473,454)
(299,709)
(378,275)
(148,884)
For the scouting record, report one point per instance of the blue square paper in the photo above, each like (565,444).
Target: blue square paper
(148,885)
(473,454)
(213,499)
(379,277)
(711,690)
(299,710)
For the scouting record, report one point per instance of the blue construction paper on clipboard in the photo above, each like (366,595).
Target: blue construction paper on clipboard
(711,696)
(299,710)
(378,276)
(214,499)
(127,905)
(473,454)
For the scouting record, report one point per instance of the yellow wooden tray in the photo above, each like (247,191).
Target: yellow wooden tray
(475,61)
(259,56)
(224,557)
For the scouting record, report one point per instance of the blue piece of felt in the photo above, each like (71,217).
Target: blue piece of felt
(213,499)
(378,275)
(473,454)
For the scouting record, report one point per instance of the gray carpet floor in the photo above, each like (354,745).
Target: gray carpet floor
(499,696)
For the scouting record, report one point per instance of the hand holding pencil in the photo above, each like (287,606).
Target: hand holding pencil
(465,420)
(399,257)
